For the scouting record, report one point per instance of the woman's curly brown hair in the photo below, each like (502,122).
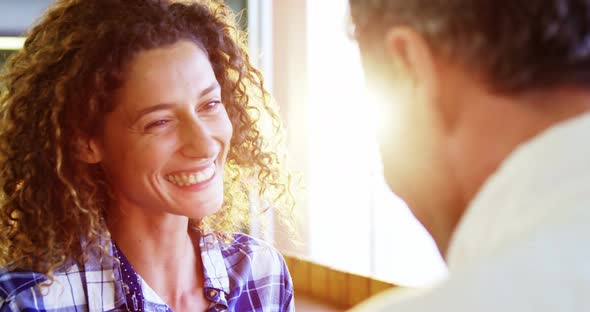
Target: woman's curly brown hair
(58,89)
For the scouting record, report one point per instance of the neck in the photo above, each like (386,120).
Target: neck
(490,127)
(160,248)
(441,223)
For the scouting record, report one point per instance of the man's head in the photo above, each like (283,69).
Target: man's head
(471,80)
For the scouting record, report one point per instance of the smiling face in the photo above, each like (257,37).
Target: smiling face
(164,146)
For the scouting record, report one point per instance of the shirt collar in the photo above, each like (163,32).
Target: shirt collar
(99,271)
(215,271)
(551,170)
(215,275)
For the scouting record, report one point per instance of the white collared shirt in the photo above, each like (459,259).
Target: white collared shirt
(523,244)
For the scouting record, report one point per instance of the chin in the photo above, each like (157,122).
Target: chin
(201,210)
(410,188)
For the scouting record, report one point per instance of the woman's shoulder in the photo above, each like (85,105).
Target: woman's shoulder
(66,291)
(13,283)
(253,250)
(28,290)
(246,258)
(256,269)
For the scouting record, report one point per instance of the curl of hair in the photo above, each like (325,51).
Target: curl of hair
(58,88)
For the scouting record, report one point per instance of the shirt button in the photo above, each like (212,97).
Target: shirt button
(212,293)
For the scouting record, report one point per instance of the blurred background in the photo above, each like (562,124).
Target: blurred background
(350,220)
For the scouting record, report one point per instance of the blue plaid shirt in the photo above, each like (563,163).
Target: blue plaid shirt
(244,275)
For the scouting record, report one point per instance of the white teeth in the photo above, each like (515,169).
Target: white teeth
(185,179)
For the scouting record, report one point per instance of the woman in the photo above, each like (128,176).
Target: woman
(131,134)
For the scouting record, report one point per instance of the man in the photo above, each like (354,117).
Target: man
(488,143)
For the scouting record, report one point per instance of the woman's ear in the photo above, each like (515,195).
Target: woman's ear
(88,150)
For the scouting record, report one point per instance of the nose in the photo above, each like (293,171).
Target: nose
(198,140)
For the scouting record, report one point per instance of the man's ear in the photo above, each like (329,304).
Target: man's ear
(426,71)
(411,53)
(88,150)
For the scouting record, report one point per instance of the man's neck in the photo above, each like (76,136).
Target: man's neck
(481,129)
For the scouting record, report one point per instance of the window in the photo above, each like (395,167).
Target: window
(351,219)
(7,46)
(15,18)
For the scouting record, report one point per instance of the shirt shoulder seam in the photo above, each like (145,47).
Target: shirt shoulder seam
(8,296)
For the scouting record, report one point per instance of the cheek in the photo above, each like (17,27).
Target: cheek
(408,147)
(228,130)
(224,131)
(130,158)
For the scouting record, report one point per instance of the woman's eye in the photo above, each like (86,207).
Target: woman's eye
(156,124)
(211,106)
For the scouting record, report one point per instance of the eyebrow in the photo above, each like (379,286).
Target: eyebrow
(164,106)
